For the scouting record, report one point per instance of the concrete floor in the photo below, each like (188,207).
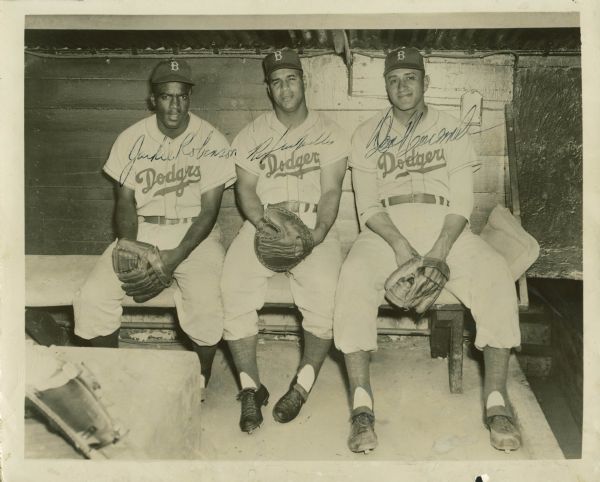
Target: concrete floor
(417,417)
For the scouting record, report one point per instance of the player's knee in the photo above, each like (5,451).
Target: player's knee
(211,335)
(496,269)
(355,271)
(84,297)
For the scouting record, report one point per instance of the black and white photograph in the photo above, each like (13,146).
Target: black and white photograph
(286,243)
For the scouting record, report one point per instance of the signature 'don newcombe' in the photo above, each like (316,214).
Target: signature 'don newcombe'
(382,140)
(190,147)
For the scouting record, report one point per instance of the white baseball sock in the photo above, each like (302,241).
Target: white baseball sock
(246,381)
(362,399)
(494,399)
(306,377)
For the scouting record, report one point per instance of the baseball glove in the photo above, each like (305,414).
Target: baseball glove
(68,397)
(139,266)
(282,240)
(417,283)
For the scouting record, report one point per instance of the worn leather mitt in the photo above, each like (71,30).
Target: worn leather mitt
(282,240)
(417,283)
(139,266)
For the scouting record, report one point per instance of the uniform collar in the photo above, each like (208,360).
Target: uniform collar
(276,125)
(158,136)
(426,123)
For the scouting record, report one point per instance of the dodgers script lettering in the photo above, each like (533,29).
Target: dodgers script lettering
(296,165)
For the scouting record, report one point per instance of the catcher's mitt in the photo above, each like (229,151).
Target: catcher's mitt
(139,266)
(282,240)
(417,283)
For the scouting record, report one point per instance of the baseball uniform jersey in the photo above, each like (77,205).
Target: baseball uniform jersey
(288,166)
(169,177)
(423,172)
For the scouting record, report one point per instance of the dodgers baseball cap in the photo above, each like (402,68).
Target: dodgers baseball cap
(172,70)
(403,58)
(281,59)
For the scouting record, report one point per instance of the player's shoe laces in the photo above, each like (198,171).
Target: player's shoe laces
(252,400)
(288,407)
(362,433)
(504,433)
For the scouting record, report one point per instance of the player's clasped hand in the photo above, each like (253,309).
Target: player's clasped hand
(140,267)
(171,259)
(417,283)
(282,240)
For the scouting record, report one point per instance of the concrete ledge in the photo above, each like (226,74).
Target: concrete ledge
(154,394)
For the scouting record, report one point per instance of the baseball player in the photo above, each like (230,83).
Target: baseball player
(293,158)
(170,169)
(413,180)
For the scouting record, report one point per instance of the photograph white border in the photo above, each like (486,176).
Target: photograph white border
(288,14)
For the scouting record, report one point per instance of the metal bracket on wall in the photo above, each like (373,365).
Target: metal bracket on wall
(341,46)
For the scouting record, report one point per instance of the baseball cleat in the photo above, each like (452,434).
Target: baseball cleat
(504,434)
(288,407)
(362,433)
(252,401)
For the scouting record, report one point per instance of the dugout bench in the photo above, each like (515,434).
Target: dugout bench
(52,280)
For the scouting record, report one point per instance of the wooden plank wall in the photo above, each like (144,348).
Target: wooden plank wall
(75,108)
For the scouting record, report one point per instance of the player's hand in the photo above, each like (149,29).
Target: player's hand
(428,281)
(171,259)
(318,235)
(404,254)
(265,227)
(437,253)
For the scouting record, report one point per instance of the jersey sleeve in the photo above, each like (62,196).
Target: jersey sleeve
(358,154)
(243,146)
(462,199)
(218,169)
(340,148)
(462,154)
(119,166)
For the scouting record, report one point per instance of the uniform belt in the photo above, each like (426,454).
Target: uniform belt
(417,197)
(164,220)
(297,206)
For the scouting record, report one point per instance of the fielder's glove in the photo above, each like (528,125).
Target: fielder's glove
(68,398)
(282,240)
(139,266)
(417,283)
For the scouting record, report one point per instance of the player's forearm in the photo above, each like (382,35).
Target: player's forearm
(454,224)
(381,224)
(327,212)
(126,219)
(197,233)
(250,204)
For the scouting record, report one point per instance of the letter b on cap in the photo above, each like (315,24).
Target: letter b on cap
(401,54)
(278,55)
(174,65)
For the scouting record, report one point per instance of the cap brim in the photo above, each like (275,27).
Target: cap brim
(284,66)
(405,66)
(162,80)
